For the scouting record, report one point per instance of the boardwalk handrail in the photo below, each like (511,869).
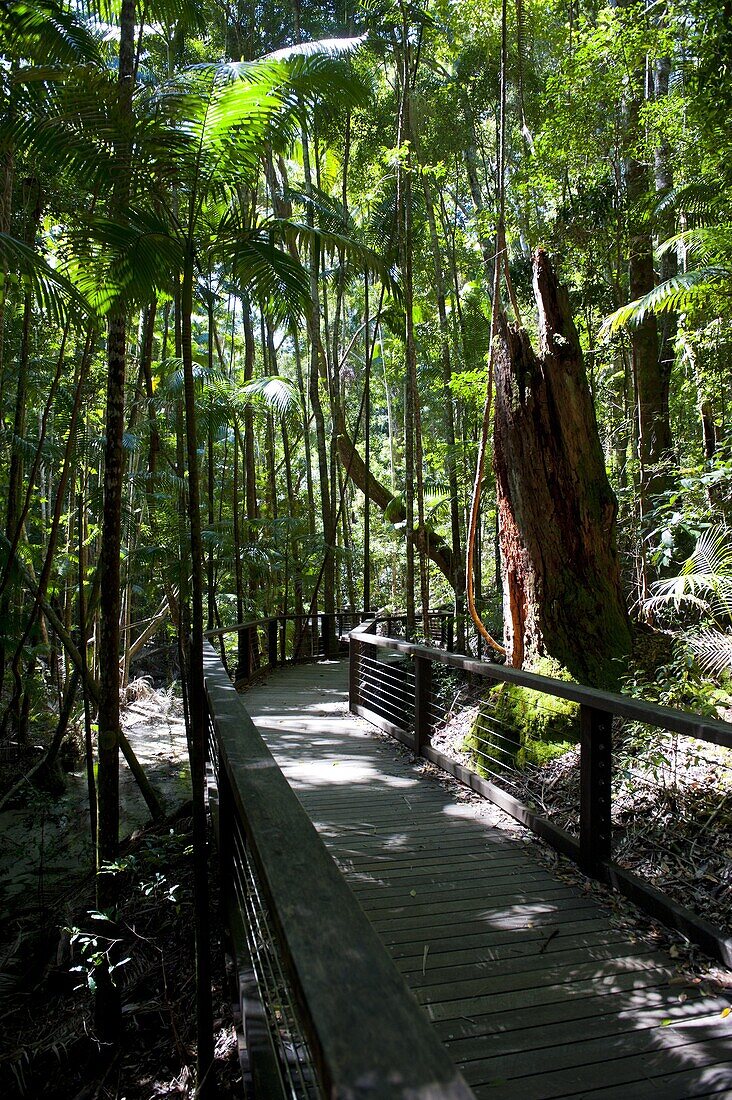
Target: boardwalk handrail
(316,635)
(367,1035)
(408,704)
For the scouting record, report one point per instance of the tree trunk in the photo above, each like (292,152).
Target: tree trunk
(561,579)
(459,579)
(107,1003)
(433,545)
(197,709)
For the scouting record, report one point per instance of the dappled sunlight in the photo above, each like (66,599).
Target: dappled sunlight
(505,957)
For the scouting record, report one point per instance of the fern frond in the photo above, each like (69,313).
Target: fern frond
(713,650)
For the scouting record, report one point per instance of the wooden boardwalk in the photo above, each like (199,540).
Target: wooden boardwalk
(533,989)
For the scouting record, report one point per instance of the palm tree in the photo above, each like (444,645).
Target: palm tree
(207,128)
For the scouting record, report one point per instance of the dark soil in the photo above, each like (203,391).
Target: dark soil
(49,1047)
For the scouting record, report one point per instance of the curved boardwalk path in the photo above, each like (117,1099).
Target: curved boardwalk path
(534,991)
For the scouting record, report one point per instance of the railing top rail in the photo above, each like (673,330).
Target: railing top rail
(368,1035)
(340,612)
(221,630)
(712,730)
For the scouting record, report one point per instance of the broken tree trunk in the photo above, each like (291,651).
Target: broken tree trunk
(561,580)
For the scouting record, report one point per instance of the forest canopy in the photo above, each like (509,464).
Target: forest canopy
(248,285)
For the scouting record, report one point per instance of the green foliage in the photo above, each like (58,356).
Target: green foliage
(676,684)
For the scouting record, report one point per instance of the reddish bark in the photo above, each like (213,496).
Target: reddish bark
(561,580)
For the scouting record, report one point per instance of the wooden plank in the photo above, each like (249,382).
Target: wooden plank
(485,917)
(520,940)
(526,994)
(425,906)
(599,1021)
(662,999)
(459,868)
(477,939)
(646,1057)
(387,899)
(521,973)
(466,980)
(423,847)
(390,896)
(367,1033)
(365,861)
(461,929)
(443,966)
(685,1084)
(475,1016)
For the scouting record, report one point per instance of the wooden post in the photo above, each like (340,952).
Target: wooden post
(422,688)
(450,633)
(244,668)
(354,672)
(272,642)
(329,637)
(595,786)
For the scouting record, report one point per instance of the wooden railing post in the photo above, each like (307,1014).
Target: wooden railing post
(450,633)
(595,786)
(272,641)
(329,636)
(354,672)
(422,688)
(244,650)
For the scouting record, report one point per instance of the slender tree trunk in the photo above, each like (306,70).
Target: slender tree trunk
(318,366)
(15,473)
(197,709)
(242,655)
(83,650)
(250,473)
(107,1003)
(652,413)
(368,354)
(306,435)
(668,264)
(459,580)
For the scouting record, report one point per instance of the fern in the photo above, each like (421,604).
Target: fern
(705,584)
(713,650)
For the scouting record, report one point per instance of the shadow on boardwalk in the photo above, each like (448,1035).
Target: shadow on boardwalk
(534,990)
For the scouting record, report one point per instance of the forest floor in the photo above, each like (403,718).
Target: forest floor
(46,895)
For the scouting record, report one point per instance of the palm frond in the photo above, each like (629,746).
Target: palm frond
(275,392)
(55,293)
(673,295)
(130,259)
(324,47)
(301,234)
(705,579)
(268,273)
(45,31)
